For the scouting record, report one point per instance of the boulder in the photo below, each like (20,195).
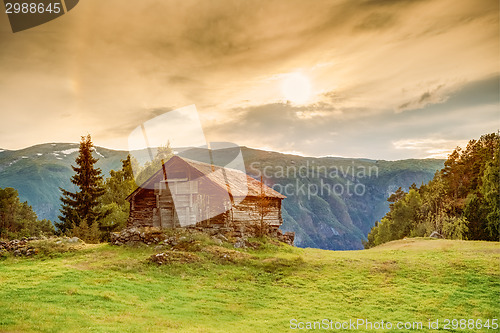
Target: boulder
(74,240)
(436,234)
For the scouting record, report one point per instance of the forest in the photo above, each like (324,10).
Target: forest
(17,219)
(460,202)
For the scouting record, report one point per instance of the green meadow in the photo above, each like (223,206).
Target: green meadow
(275,288)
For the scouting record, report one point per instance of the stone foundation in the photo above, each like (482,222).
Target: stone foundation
(149,236)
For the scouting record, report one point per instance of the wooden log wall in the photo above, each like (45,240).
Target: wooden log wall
(249,211)
(141,209)
(198,199)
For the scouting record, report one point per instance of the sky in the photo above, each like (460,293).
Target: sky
(381,79)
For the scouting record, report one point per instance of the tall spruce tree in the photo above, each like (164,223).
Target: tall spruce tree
(82,205)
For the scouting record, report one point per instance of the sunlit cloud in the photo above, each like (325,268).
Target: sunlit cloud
(430,148)
(374,70)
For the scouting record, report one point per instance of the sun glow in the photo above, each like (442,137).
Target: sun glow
(296,88)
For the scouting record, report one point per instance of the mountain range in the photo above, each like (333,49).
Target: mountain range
(331,203)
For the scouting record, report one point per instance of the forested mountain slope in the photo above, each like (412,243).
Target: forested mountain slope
(331,203)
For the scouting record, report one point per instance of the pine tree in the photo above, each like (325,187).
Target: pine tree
(82,205)
(491,193)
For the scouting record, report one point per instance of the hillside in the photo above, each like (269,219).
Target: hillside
(104,288)
(37,173)
(333,220)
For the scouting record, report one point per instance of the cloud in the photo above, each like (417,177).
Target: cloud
(108,66)
(376,21)
(433,96)
(330,129)
(432,148)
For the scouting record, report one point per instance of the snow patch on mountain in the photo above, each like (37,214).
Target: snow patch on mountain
(98,153)
(13,162)
(68,151)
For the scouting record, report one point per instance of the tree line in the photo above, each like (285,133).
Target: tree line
(18,220)
(460,202)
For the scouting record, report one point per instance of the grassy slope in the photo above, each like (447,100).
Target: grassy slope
(112,289)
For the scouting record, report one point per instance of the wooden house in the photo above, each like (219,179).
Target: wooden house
(187,193)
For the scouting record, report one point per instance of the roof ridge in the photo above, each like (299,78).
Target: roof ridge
(267,189)
(188,160)
(252,184)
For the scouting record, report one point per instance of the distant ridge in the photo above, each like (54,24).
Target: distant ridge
(336,221)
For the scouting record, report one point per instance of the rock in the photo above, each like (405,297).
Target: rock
(221,237)
(173,257)
(147,236)
(287,237)
(240,244)
(74,240)
(182,240)
(436,234)
(27,246)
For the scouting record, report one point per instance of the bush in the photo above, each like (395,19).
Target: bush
(89,234)
(456,228)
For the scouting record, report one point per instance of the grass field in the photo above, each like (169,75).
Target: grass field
(104,288)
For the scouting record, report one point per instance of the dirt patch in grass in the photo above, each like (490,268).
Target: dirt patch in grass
(386,267)
(225,254)
(419,243)
(491,250)
(81,266)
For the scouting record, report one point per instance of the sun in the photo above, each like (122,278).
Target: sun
(296,88)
